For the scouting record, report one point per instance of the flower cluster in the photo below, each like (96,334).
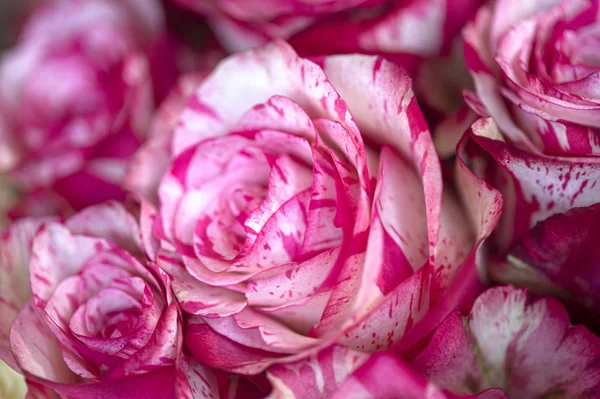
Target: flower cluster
(301,199)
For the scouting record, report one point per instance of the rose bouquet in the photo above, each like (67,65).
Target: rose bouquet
(308,211)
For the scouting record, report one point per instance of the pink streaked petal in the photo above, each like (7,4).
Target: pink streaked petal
(220,279)
(557,137)
(119,259)
(57,254)
(479,57)
(342,302)
(64,301)
(380,97)
(196,297)
(287,179)
(540,337)
(98,309)
(455,241)
(280,239)
(279,114)
(400,204)
(160,352)
(545,185)
(211,348)
(302,316)
(204,211)
(15,290)
(194,380)
(483,205)
(386,28)
(354,202)
(337,191)
(210,158)
(35,349)
(386,263)
(142,333)
(318,376)
(110,221)
(529,89)
(392,31)
(288,284)
(255,330)
(269,71)
(385,321)
(512,14)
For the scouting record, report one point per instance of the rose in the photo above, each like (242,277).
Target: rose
(91,316)
(525,346)
(288,243)
(99,313)
(387,28)
(76,98)
(534,68)
(534,73)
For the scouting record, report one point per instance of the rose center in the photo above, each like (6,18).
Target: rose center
(118,324)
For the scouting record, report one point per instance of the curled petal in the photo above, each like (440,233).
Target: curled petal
(273,70)
(110,221)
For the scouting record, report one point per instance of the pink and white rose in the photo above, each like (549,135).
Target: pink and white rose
(304,205)
(76,97)
(86,315)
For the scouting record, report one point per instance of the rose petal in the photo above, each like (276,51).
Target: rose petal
(317,376)
(15,248)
